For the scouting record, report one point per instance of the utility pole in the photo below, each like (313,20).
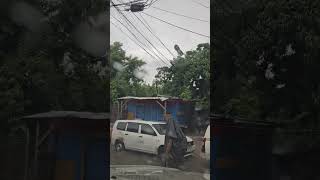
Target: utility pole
(157,88)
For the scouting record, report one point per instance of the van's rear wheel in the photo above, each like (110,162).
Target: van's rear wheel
(161,151)
(119,146)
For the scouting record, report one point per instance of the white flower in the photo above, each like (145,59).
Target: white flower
(279,86)
(261,60)
(67,64)
(269,74)
(289,50)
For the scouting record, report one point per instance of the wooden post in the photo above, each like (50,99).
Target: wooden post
(165,108)
(26,165)
(118,111)
(82,160)
(36,151)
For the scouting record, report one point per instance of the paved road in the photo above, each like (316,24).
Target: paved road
(193,163)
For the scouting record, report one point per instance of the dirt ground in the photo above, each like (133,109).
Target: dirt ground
(193,163)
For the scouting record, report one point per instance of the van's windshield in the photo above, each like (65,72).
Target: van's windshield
(161,128)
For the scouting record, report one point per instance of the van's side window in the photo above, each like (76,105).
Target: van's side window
(147,129)
(133,127)
(121,126)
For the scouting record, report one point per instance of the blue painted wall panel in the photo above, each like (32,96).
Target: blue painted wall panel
(68,148)
(96,160)
(151,111)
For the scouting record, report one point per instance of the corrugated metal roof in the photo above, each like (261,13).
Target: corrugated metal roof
(150,98)
(68,114)
(143,98)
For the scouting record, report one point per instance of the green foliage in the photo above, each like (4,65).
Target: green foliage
(126,76)
(188,77)
(186,93)
(42,67)
(270,48)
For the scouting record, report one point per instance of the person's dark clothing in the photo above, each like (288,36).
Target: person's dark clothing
(179,141)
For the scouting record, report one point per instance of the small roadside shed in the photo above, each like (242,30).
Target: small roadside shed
(153,108)
(65,145)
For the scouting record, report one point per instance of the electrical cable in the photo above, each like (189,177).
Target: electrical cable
(140,34)
(155,36)
(150,30)
(125,4)
(181,15)
(176,25)
(152,2)
(135,38)
(200,4)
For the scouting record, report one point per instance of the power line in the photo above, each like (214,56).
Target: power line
(180,14)
(133,35)
(134,26)
(139,39)
(140,45)
(200,4)
(153,35)
(141,34)
(125,4)
(152,2)
(150,30)
(123,32)
(177,26)
(134,41)
(145,21)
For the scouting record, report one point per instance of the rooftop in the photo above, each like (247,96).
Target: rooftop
(161,98)
(68,114)
(141,121)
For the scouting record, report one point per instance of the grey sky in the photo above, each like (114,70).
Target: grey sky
(168,34)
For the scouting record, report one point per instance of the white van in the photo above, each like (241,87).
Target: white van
(206,144)
(143,136)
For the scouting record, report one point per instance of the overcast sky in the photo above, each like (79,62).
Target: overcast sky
(168,34)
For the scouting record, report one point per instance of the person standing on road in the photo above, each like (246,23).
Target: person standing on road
(175,143)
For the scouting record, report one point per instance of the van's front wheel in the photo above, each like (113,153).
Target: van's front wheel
(119,146)
(161,155)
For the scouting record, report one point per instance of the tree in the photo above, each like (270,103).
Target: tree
(271,51)
(46,64)
(127,75)
(188,77)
